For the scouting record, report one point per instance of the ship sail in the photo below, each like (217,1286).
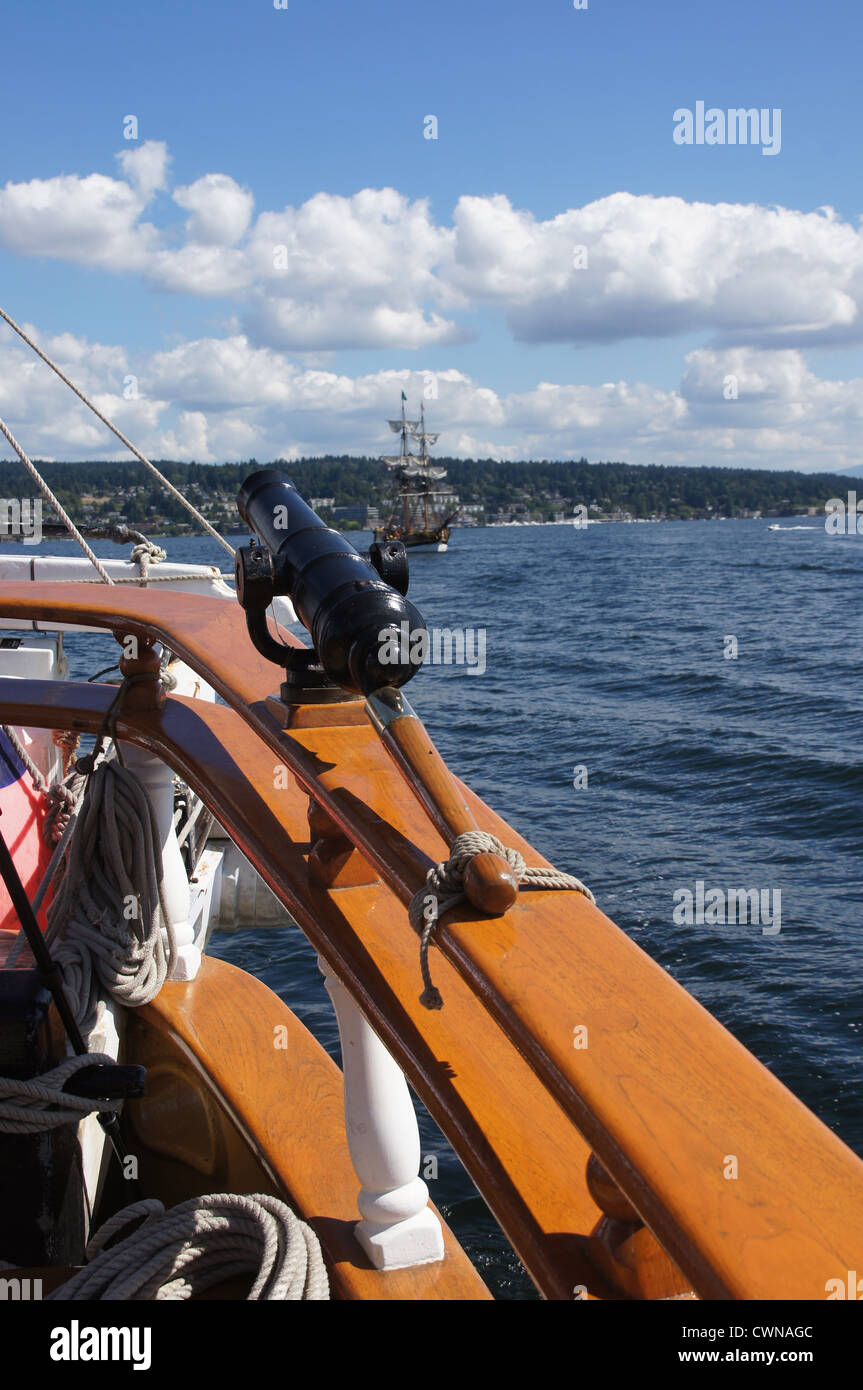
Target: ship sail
(421,512)
(420,433)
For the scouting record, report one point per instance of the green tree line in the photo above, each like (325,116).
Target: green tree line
(97,490)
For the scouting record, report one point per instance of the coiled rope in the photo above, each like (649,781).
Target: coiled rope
(182,1252)
(444,888)
(110,916)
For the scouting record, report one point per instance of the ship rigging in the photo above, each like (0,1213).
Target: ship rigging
(421,510)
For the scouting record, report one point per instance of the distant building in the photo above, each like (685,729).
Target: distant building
(357,511)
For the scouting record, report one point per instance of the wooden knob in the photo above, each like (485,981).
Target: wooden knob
(607,1195)
(490,884)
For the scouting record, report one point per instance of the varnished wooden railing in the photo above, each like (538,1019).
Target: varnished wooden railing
(525,1157)
(662,1094)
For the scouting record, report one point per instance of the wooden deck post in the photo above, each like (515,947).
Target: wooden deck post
(398,1227)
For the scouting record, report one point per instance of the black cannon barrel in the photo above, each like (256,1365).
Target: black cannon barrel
(348,609)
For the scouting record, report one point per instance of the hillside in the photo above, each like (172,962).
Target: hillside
(96,492)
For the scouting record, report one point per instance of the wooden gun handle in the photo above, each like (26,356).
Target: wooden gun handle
(489,883)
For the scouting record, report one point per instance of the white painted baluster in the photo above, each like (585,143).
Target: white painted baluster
(158,780)
(398,1226)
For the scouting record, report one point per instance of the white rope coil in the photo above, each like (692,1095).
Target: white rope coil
(110,912)
(182,1252)
(444,888)
(30,1107)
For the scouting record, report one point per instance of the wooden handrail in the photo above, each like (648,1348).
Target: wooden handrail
(662,1093)
(489,882)
(512,1137)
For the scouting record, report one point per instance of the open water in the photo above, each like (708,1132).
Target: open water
(738,764)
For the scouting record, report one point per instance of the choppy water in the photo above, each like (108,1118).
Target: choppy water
(605,649)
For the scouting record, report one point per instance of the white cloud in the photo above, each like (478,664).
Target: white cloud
(146,167)
(218,399)
(337,322)
(93,220)
(44,415)
(375,270)
(628,267)
(221,210)
(351,272)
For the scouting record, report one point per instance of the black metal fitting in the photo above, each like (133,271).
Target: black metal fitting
(348,602)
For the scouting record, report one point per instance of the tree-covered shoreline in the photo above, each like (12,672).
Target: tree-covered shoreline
(124,490)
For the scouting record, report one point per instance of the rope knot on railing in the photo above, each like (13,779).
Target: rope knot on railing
(444,888)
(145,554)
(41,1103)
(64,801)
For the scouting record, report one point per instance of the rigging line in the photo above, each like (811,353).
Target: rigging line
(190,507)
(64,515)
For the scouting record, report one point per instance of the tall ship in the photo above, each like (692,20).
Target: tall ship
(421,510)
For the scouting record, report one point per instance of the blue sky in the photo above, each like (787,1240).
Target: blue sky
(260,128)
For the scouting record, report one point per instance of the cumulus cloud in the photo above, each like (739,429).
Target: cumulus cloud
(375,270)
(146,167)
(221,210)
(94,220)
(220,399)
(631,266)
(351,271)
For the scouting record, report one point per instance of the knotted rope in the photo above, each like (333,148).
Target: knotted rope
(179,1253)
(63,797)
(29,1107)
(145,554)
(444,888)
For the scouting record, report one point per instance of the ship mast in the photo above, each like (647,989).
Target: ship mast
(416,479)
(405,456)
(423,460)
